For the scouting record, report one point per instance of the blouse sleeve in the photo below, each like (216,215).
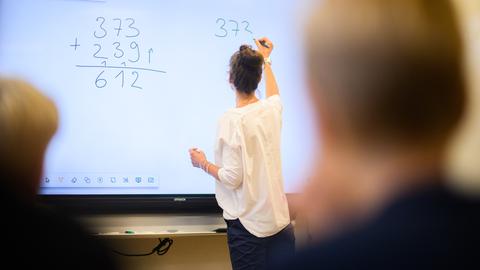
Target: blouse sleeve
(276,102)
(231,174)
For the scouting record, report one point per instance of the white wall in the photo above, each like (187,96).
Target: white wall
(465,155)
(187,252)
(198,253)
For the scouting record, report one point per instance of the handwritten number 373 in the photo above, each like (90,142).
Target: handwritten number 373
(223,31)
(102,32)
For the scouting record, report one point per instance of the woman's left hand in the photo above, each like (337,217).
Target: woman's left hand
(198,157)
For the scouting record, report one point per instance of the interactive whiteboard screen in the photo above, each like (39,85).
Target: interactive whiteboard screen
(138,83)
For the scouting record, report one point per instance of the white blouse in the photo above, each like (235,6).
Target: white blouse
(248,152)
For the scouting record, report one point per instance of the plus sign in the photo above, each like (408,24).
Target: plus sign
(75,45)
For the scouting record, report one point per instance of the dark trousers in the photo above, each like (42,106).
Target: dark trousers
(250,252)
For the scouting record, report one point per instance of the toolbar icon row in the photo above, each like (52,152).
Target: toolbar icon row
(98,180)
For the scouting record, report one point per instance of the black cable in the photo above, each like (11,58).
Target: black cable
(161,249)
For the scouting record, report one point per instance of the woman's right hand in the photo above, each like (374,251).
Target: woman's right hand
(263,50)
(197,157)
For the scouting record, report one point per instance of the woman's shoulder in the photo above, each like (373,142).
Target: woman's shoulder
(274,101)
(231,115)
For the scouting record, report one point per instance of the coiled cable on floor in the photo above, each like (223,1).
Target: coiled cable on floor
(161,249)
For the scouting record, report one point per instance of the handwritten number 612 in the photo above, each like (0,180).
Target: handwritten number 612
(101,82)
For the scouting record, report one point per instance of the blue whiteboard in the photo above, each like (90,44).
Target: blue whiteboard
(138,83)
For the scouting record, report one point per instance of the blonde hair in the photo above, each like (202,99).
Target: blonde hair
(28,120)
(389,69)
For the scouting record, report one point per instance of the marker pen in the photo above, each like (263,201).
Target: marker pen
(263,43)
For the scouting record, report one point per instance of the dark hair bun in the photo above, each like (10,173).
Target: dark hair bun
(246,67)
(244,47)
(250,58)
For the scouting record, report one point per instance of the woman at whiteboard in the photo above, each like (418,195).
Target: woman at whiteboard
(247,167)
